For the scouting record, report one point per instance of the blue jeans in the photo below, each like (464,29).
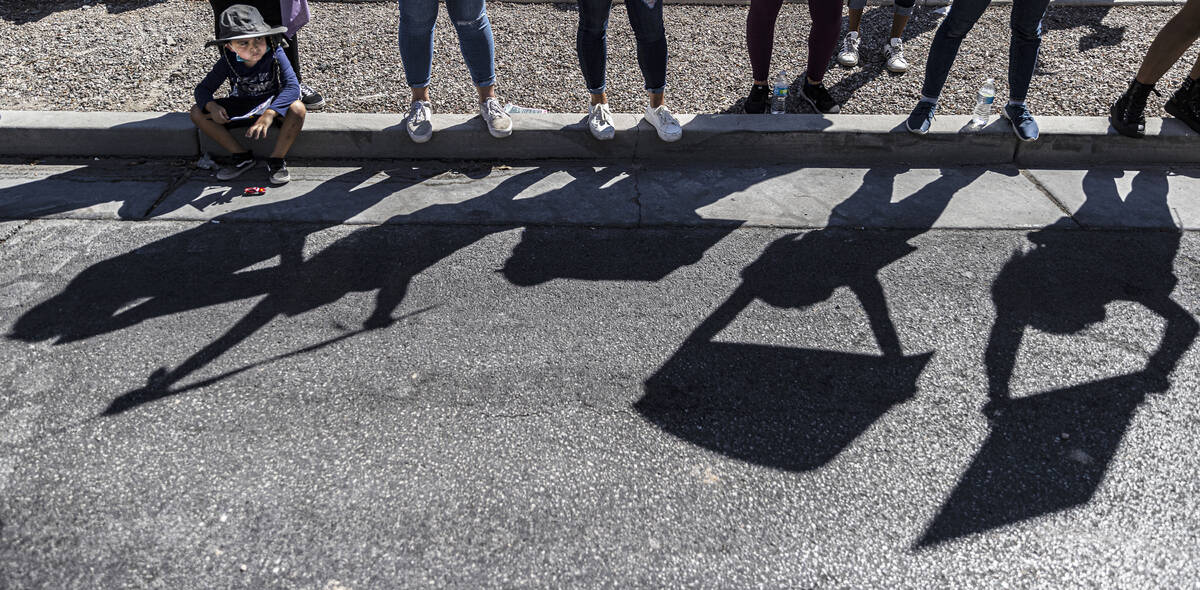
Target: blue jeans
(591,42)
(1026,25)
(417,18)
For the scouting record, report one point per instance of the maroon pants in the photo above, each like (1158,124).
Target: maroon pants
(826,18)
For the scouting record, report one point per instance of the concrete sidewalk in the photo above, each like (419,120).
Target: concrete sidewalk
(836,140)
(616,195)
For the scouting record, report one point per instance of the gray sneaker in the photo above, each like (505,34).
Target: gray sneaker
(277,169)
(418,122)
(236,166)
(499,124)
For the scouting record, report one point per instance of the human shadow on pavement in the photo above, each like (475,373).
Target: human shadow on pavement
(1049,452)
(211,263)
(798,408)
(131,185)
(386,258)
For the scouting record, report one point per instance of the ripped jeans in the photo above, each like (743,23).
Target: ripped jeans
(417,18)
(591,42)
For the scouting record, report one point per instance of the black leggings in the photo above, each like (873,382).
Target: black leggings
(271,14)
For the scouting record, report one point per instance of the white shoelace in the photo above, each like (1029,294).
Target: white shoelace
(416,113)
(602,116)
(493,108)
(665,117)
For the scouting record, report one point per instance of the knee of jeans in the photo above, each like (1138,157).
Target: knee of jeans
(903,7)
(1026,33)
(416,15)
(857,4)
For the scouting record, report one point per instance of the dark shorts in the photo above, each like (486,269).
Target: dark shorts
(237,106)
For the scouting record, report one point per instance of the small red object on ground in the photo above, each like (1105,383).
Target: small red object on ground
(254,190)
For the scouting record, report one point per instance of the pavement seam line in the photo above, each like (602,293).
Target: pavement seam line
(176,182)
(1045,191)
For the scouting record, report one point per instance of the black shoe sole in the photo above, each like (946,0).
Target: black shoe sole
(1176,112)
(1114,119)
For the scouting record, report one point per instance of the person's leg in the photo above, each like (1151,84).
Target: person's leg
(1026,24)
(1175,38)
(475,40)
(216,131)
(946,42)
(417,18)
(292,52)
(591,46)
(901,11)
(826,16)
(646,20)
(854,15)
(293,121)
(760,36)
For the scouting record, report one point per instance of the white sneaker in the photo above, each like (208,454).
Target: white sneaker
(499,124)
(600,122)
(664,122)
(894,51)
(419,121)
(848,57)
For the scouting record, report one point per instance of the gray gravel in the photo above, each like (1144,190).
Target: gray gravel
(147,56)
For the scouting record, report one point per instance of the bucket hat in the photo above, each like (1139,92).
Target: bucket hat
(243,22)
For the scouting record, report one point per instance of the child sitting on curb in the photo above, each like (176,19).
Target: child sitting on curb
(263,90)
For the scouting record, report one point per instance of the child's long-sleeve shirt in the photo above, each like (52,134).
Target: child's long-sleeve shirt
(258,81)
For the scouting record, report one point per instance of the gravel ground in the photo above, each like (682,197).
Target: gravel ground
(147,55)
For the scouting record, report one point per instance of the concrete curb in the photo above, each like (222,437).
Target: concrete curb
(847,140)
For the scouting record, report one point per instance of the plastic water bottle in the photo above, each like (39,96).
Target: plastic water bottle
(779,94)
(983,103)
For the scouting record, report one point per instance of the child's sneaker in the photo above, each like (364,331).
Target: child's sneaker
(600,122)
(499,124)
(757,101)
(277,169)
(848,56)
(664,122)
(238,163)
(312,99)
(419,121)
(894,51)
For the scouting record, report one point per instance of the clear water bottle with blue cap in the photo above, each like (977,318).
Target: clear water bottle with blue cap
(983,103)
(779,94)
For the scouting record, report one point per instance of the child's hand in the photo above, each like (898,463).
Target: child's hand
(218,113)
(259,129)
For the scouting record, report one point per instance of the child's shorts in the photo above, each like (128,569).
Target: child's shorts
(244,110)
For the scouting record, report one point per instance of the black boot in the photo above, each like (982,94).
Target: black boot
(1185,104)
(1128,113)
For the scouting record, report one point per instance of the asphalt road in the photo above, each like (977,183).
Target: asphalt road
(316,405)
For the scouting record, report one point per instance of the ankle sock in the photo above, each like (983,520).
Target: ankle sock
(927,99)
(275,163)
(1015,102)
(240,157)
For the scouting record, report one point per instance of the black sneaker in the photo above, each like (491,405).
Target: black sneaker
(312,99)
(757,101)
(238,163)
(819,98)
(1127,115)
(1185,104)
(277,169)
